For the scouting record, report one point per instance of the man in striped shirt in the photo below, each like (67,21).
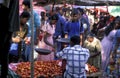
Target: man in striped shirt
(76,58)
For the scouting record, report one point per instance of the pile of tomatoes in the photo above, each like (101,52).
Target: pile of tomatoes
(92,69)
(47,69)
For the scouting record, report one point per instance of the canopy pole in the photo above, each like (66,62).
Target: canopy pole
(107,6)
(53,6)
(32,41)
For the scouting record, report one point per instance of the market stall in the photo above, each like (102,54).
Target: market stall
(47,69)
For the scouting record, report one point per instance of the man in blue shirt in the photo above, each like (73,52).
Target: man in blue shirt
(59,30)
(37,22)
(84,21)
(74,26)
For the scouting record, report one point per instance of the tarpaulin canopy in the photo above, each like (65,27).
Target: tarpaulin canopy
(81,2)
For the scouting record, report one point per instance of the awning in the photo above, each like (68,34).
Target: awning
(82,2)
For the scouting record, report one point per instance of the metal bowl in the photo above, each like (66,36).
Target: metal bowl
(42,51)
(64,40)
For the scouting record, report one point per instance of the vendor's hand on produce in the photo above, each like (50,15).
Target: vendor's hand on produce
(91,69)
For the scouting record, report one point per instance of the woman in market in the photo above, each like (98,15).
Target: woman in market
(47,40)
(107,42)
(94,46)
(19,38)
(115,55)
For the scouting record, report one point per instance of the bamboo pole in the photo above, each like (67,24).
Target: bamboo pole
(32,41)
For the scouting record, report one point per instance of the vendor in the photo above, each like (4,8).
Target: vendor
(76,58)
(94,46)
(19,38)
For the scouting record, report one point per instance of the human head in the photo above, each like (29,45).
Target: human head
(53,19)
(75,40)
(113,25)
(117,23)
(24,17)
(42,14)
(75,14)
(90,37)
(81,11)
(59,10)
(26,5)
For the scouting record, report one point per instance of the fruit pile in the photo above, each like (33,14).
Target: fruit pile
(47,69)
(91,69)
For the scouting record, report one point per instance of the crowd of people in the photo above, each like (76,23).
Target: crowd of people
(94,43)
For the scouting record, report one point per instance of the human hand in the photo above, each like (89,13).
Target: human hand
(111,61)
(17,39)
(27,40)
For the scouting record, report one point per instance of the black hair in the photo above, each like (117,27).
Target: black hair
(26,3)
(117,21)
(25,14)
(57,9)
(91,34)
(74,11)
(81,10)
(42,13)
(54,17)
(111,26)
(75,39)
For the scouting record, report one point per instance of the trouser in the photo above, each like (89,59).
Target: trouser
(5,37)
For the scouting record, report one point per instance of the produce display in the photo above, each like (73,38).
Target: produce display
(47,69)
(91,69)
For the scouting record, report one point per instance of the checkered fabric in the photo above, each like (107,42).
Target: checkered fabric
(76,58)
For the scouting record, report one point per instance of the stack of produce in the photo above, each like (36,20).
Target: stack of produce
(47,69)
(91,69)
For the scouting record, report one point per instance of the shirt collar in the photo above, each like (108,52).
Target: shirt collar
(77,46)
